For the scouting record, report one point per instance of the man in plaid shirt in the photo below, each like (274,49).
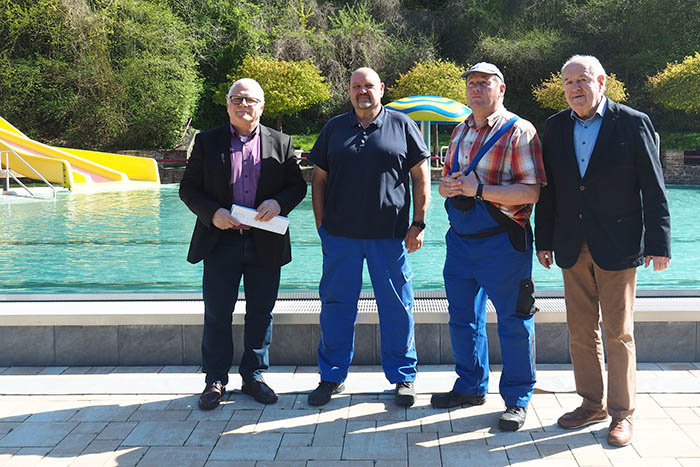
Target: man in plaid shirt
(489,246)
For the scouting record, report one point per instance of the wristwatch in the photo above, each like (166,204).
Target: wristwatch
(419,224)
(479,192)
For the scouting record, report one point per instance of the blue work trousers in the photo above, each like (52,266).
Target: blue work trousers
(339,291)
(477,269)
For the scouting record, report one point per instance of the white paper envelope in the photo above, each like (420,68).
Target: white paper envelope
(246,216)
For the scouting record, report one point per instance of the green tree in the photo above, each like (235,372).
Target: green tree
(224,32)
(525,60)
(289,86)
(436,78)
(676,87)
(95,74)
(549,94)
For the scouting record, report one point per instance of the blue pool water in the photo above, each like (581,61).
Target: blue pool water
(136,241)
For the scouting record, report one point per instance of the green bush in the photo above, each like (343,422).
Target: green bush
(96,74)
(677,87)
(436,78)
(289,86)
(549,94)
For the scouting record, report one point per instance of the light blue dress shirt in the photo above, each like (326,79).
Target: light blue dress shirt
(586,134)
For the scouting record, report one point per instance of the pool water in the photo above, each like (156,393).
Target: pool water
(137,241)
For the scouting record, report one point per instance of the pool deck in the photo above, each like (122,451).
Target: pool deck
(166,329)
(147,416)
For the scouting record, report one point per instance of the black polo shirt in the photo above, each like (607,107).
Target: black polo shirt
(368,193)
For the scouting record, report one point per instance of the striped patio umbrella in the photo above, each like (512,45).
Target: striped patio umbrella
(431,109)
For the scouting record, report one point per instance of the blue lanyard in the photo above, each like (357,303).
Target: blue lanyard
(483,150)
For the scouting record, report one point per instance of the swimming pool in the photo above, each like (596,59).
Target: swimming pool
(136,241)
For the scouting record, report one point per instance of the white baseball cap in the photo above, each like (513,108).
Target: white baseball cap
(484,67)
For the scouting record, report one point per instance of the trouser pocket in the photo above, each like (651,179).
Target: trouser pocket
(525,307)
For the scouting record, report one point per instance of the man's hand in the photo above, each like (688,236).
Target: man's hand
(545,258)
(223,220)
(414,239)
(660,262)
(458,184)
(267,210)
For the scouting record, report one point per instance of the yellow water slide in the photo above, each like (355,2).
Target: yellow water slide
(75,169)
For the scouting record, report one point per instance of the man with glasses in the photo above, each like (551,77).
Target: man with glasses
(492,178)
(361,198)
(247,164)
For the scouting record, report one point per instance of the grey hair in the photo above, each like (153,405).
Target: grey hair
(592,65)
(251,83)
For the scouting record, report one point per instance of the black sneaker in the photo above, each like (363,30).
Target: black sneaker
(322,394)
(447,400)
(405,394)
(513,418)
(260,391)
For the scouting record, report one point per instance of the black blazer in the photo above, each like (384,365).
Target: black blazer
(619,207)
(206,187)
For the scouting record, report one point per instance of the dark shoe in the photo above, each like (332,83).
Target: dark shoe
(211,396)
(260,391)
(322,394)
(405,394)
(581,417)
(447,400)
(513,418)
(620,431)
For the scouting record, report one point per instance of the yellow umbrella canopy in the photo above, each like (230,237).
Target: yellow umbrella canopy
(434,109)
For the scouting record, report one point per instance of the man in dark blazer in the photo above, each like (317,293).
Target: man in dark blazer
(603,213)
(247,164)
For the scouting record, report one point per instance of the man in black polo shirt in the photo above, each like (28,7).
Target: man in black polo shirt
(361,200)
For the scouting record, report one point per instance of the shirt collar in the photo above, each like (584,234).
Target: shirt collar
(490,120)
(377,121)
(234,132)
(599,111)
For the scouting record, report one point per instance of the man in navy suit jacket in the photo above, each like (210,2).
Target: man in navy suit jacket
(248,164)
(603,213)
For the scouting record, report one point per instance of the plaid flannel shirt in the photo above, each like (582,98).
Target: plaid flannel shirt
(515,158)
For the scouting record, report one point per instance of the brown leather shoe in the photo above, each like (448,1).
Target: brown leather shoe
(211,396)
(620,431)
(581,417)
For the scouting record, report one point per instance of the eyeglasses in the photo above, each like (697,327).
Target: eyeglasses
(238,100)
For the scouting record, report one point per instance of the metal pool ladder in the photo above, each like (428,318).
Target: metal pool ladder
(8,174)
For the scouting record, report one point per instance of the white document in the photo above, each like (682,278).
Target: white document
(246,216)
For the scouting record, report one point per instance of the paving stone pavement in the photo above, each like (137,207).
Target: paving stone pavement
(148,416)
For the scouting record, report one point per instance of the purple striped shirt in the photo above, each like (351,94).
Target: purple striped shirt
(245,167)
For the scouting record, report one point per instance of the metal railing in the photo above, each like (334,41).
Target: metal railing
(8,174)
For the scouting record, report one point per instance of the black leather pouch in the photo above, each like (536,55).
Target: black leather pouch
(463,203)
(525,307)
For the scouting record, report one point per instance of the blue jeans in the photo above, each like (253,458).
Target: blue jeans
(234,257)
(477,269)
(339,290)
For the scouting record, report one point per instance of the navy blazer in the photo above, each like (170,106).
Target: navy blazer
(206,187)
(618,207)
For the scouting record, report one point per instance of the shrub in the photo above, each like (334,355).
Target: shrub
(289,86)
(676,87)
(549,94)
(89,73)
(437,78)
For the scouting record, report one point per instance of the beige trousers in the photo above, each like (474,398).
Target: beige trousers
(591,293)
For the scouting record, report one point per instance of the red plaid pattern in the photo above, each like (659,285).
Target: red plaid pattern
(515,158)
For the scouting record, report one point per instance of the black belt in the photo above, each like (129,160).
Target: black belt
(485,233)
(239,232)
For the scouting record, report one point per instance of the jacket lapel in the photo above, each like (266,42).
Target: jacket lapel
(223,161)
